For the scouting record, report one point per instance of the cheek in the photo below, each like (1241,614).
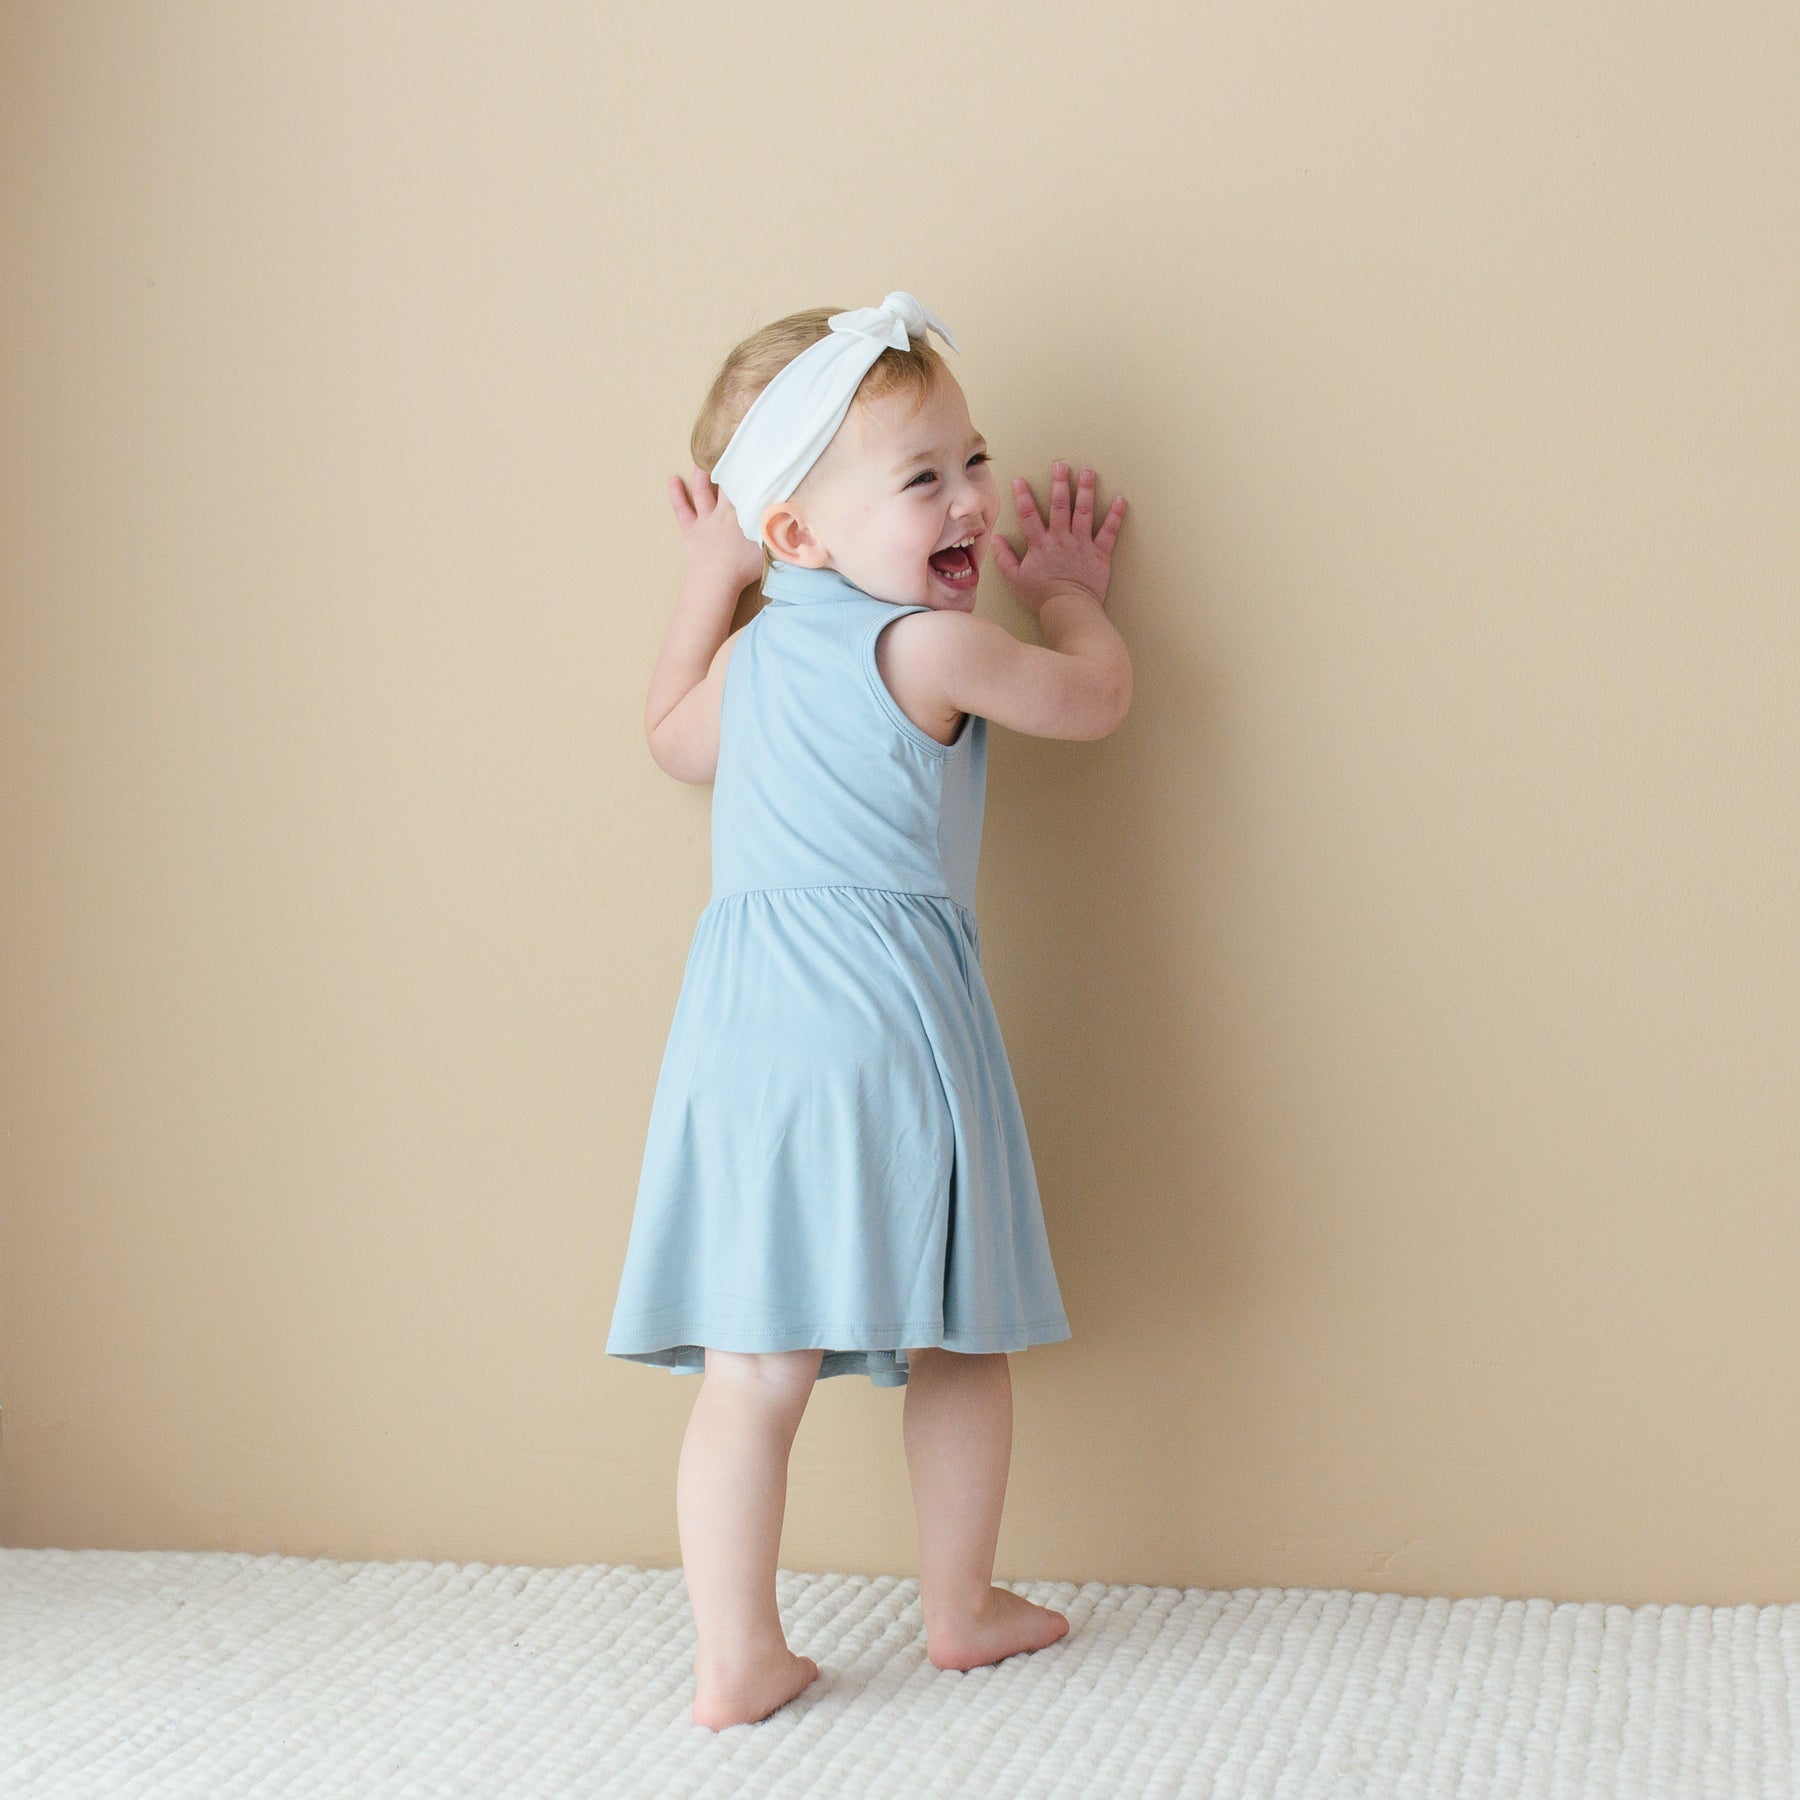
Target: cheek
(908,525)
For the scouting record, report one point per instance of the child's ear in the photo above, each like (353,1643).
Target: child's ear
(785,533)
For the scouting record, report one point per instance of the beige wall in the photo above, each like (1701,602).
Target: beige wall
(1405,1002)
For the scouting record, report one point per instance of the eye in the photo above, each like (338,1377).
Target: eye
(980,456)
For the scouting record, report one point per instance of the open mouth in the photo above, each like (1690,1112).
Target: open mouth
(955,567)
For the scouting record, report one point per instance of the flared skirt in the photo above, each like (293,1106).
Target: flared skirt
(836,1156)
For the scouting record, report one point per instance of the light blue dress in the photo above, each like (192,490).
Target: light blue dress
(836,1156)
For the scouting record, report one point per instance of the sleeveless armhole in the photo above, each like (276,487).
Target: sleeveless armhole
(885,698)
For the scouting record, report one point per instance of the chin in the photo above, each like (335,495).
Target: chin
(947,599)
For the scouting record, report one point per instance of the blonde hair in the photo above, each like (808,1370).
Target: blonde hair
(758,359)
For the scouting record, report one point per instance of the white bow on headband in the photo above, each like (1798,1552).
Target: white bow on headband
(792,420)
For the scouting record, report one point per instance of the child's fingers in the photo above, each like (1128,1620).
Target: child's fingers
(1026,503)
(706,496)
(1084,504)
(1108,534)
(1059,496)
(679,498)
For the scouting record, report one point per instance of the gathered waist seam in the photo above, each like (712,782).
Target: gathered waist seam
(853,887)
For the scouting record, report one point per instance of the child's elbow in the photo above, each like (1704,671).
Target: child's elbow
(1122,695)
(1112,702)
(672,757)
(658,754)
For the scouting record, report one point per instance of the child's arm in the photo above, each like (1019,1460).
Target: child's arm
(1078,687)
(681,711)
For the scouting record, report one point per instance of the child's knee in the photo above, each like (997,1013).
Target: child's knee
(958,1359)
(779,1373)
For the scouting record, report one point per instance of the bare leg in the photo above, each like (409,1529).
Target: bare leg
(958,1430)
(730,1497)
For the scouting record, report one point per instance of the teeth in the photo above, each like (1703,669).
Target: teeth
(961,544)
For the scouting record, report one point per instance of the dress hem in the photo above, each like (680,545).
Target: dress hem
(684,1352)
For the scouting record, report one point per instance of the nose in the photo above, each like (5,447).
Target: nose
(969,501)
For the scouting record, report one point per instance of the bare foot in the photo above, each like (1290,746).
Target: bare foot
(744,1692)
(1007,1624)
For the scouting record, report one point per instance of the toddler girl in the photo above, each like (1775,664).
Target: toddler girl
(836,1178)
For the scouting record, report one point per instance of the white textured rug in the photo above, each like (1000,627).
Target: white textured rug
(210,1675)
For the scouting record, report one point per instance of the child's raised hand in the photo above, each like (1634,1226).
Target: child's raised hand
(1066,552)
(710,532)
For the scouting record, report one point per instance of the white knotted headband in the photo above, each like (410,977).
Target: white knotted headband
(792,420)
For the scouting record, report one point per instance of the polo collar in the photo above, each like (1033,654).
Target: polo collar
(790,582)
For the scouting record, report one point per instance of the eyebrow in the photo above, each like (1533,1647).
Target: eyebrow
(919,456)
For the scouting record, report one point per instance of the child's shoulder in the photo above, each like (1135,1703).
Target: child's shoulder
(919,657)
(934,644)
